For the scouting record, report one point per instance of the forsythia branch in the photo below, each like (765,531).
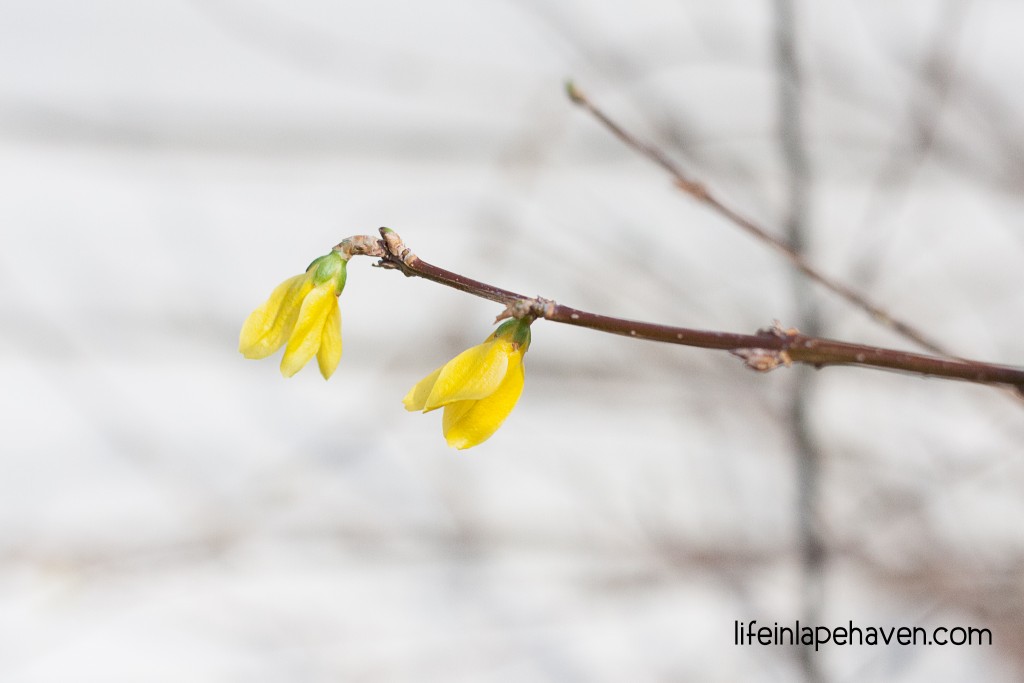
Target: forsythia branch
(766,350)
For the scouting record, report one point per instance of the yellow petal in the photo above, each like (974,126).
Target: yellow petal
(469,423)
(416,399)
(329,353)
(473,374)
(267,328)
(305,339)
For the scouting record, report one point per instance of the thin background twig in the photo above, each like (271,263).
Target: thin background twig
(701,192)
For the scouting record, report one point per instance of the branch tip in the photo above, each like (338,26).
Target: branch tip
(574,93)
(396,248)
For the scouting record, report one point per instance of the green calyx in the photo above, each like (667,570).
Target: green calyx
(331,266)
(516,331)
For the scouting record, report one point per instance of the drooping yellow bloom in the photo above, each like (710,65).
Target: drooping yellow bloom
(478,388)
(302,313)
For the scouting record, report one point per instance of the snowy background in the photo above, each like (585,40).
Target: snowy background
(172,512)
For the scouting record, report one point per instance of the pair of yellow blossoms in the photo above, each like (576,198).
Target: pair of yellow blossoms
(477,389)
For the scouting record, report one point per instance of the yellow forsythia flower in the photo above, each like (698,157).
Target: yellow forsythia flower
(478,388)
(302,312)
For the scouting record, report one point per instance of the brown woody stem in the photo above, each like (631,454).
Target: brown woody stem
(765,350)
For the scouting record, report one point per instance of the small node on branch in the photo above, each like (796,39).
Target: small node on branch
(538,307)
(763,360)
(396,248)
(777,330)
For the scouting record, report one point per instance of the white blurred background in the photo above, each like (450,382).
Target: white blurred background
(172,512)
